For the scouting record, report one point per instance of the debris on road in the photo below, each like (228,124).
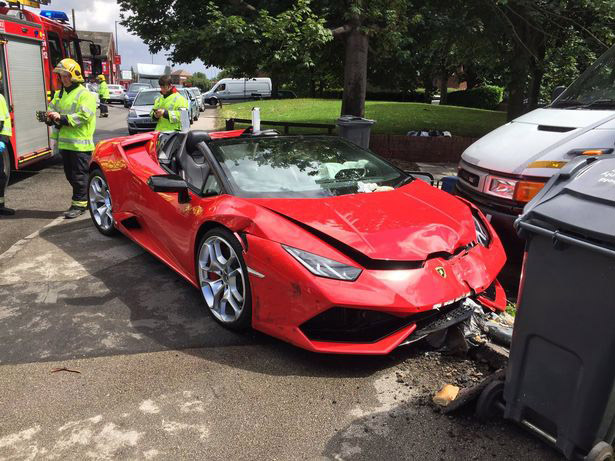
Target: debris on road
(56,370)
(446,395)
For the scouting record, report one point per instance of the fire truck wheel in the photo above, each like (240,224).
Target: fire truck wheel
(100,205)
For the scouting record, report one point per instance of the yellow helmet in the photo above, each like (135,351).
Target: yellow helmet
(71,67)
(101,78)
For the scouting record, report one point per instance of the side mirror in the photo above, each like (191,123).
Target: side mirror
(423,176)
(95,49)
(556,92)
(170,183)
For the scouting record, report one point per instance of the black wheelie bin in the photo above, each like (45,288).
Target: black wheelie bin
(560,380)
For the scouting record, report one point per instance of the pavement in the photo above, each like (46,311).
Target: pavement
(106,353)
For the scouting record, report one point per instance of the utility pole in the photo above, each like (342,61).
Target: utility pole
(73,10)
(117,44)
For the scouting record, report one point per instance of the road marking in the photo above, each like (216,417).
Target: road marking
(21,243)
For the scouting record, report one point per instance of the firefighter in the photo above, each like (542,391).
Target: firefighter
(103,92)
(168,107)
(73,114)
(5,141)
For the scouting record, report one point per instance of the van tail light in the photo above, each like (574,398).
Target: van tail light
(527,190)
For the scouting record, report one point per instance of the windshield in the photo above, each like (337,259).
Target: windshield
(115,87)
(594,88)
(138,86)
(303,167)
(146,98)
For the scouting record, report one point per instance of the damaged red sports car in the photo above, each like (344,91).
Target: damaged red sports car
(312,240)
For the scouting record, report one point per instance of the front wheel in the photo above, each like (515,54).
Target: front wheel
(601,452)
(223,279)
(100,205)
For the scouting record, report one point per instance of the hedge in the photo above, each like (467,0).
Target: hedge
(393,96)
(484,97)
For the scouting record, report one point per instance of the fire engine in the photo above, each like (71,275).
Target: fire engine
(30,46)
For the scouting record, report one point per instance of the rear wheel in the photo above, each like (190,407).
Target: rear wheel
(100,205)
(601,452)
(223,279)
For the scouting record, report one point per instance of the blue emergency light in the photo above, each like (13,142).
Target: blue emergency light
(55,15)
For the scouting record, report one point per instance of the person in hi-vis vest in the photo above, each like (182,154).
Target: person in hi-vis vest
(168,106)
(6,131)
(73,114)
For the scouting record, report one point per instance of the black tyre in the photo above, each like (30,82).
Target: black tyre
(212,101)
(131,132)
(602,451)
(223,278)
(100,205)
(486,406)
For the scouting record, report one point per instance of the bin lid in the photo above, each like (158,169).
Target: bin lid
(580,198)
(352,120)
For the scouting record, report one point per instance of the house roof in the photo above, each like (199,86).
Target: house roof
(104,39)
(181,73)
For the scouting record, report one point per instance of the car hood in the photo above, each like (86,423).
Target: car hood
(142,110)
(533,137)
(405,224)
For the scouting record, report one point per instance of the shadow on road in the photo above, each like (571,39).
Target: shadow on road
(107,296)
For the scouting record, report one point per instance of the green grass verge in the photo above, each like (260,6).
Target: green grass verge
(391,117)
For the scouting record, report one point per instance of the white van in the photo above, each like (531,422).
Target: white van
(229,89)
(506,168)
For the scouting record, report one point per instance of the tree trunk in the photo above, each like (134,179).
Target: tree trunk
(518,81)
(443,87)
(355,73)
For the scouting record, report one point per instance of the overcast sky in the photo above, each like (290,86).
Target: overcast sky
(100,16)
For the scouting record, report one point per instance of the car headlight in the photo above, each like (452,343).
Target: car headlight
(132,113)
(501,187)
(324,267)
(482,234)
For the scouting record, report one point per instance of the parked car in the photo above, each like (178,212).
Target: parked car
(505,169)
(197,96)
(310,239)
(132,92)
(116,93)
(229,89)
(194,104)
(139,118)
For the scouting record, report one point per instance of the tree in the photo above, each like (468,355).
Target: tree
(200,80)
(277,37)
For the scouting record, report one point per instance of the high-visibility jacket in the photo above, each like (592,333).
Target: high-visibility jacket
(5,116)
(103,90)
(79,107)
(172,103)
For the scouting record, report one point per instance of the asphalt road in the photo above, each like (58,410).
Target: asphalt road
(144,373)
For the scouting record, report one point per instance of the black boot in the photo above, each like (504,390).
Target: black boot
(74,211)
(4,211)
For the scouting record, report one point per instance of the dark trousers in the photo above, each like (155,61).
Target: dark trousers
(76,171)
(103,107)
(4,179)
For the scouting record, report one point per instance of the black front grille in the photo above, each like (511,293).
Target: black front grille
(469,177)
(341,324)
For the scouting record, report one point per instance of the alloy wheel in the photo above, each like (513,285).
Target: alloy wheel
(221,279)
(100,203)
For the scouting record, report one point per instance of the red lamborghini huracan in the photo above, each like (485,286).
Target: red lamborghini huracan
(310,239)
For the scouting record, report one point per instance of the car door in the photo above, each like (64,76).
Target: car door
(174,222)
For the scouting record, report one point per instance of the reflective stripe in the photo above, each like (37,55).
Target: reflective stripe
(79,203)
(86,110)
(76,120)
(83,142)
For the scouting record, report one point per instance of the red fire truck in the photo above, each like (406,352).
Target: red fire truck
(30,47)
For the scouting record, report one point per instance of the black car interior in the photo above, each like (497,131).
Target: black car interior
(184,154)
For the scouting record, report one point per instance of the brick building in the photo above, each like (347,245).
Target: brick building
(108,62)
